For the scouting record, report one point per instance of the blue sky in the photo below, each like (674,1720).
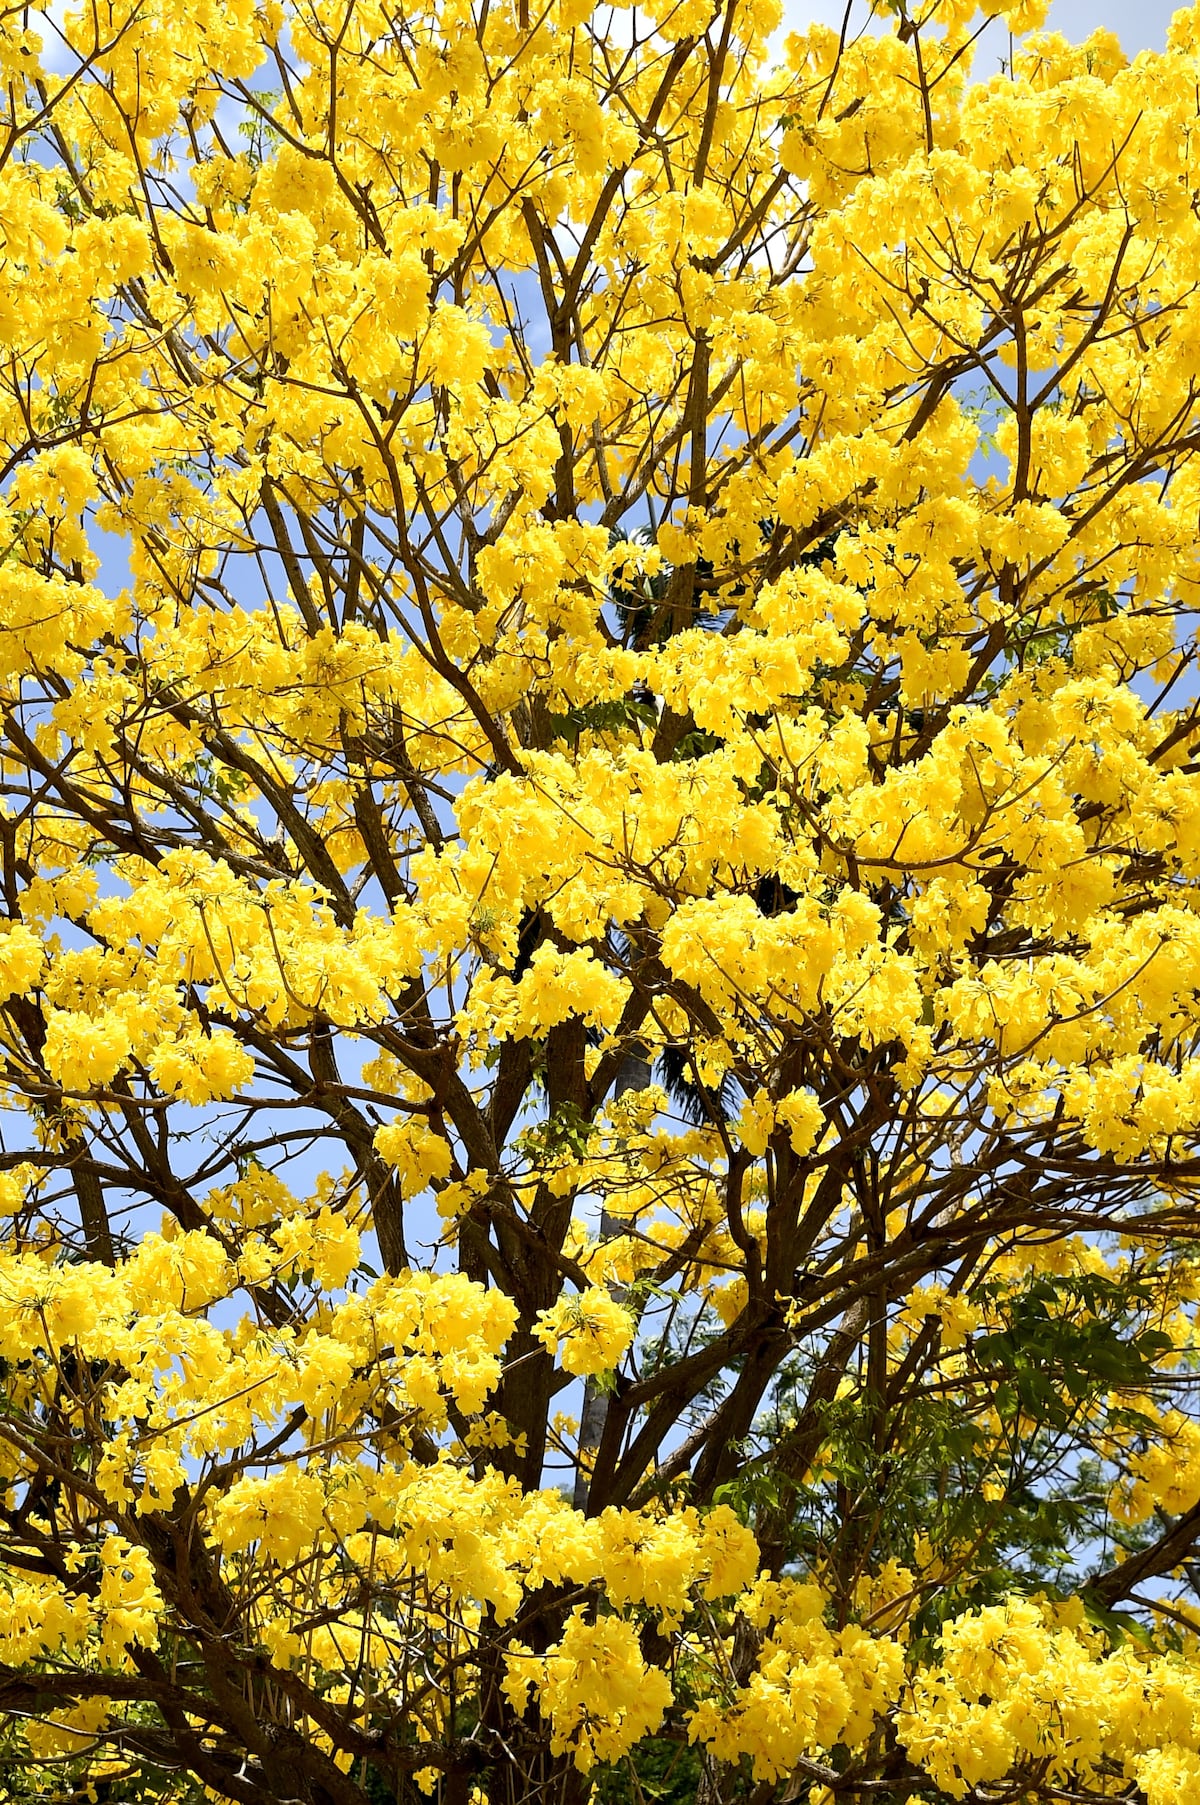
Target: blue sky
(1140,24)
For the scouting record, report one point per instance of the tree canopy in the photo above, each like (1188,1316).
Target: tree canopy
(599,905)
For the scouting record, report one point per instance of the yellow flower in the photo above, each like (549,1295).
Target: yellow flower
(590,1333)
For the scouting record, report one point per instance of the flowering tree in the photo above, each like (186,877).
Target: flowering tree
(600,859)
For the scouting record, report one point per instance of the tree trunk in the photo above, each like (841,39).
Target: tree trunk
(634,1075)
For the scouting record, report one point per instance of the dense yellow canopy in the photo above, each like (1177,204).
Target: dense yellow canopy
(599,905)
